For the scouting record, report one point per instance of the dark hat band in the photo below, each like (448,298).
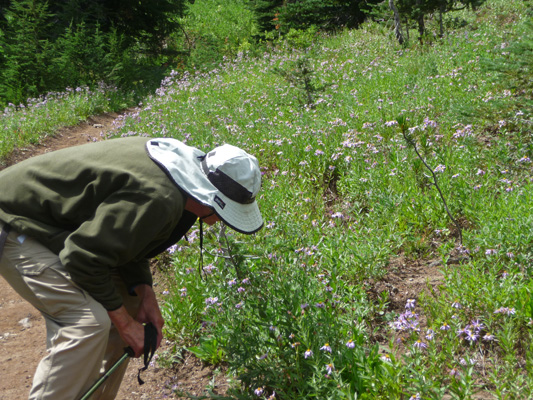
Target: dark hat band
(228,186)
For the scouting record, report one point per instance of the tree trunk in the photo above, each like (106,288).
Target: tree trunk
(441,13)
(397,22)
(420,20)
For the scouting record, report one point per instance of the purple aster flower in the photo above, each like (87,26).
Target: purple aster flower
(445,327)
(410,304)
(429,123)
(477,325)
(258,391)
(419,344)
(489,337)
(471,336)
(467,361)
(172,249)
(505,310)
(326,347)
(329,368)
(308,353)
(211,300)
(350,344)
(454,372)
(430,335)
(456,304)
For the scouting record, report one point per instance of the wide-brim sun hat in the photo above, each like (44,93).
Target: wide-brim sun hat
(226,179)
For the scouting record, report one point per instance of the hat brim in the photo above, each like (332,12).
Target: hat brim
(183,165)
(244,218)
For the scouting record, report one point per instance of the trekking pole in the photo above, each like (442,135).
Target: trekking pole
(128,353)
(150,344)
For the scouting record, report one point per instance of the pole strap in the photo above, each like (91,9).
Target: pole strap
(150,345)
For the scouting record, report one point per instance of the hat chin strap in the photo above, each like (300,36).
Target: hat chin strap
(201,263)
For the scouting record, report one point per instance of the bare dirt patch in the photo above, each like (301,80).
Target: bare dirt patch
(23,332)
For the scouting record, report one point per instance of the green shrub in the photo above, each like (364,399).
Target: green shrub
(214,30)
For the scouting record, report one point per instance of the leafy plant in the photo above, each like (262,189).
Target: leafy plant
(209,351)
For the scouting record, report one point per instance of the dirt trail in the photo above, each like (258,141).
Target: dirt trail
(22,329)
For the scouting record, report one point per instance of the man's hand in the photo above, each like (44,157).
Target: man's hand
(132,331)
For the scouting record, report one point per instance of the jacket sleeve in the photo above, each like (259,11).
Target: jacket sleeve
(136,273)
(124,227)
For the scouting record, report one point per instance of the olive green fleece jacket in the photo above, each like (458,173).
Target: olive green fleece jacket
(98,206)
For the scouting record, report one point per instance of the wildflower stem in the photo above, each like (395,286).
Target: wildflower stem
(412,143)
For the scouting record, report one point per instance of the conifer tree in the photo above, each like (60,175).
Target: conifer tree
(266,12)
(25,48)
(284,15)
(418,10)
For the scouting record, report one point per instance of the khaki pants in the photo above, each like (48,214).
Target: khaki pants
(80,339)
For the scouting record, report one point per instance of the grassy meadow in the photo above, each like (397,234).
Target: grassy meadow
(370,151)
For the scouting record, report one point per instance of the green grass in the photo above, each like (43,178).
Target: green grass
(21,125)
(344,195)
